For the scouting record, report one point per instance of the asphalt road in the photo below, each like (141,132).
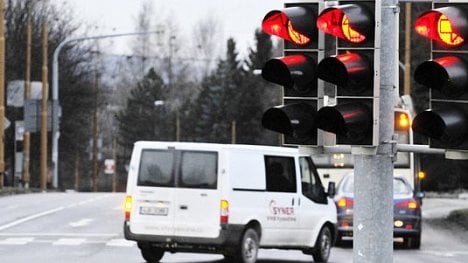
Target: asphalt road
(87,227)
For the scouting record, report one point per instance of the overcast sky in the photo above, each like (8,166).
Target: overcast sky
(239,18)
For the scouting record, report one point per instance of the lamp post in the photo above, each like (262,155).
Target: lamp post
(55,87)
(160,103)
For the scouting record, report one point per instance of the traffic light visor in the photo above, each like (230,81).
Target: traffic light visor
(295,71)
(447,25)
(350,70)
(447,74)
(350,22)
(297,118)
(353,120)
(293,24)
(448,125)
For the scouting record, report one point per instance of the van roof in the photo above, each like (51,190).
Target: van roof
(213,146)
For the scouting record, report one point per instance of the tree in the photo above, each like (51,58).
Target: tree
(146,115)
(74,77)
(261,94)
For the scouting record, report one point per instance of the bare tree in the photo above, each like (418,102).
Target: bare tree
(206,41)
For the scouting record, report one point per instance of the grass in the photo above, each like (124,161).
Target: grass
(459,218)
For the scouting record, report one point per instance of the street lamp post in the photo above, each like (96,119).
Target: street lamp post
(55,87)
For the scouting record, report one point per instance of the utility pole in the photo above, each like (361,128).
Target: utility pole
(27,96)
(373,173)
(95,165)
(44,168)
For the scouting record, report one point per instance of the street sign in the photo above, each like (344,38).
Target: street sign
(109,166)
(15,92)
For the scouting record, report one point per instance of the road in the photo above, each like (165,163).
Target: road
(87,227)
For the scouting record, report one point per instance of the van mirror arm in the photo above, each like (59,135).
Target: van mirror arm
(331,189)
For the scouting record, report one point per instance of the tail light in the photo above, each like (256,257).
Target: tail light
(345,203)
(224,215)
(128,207)
(409,204)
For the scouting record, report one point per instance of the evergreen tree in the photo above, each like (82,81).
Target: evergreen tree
(147,115)
(260,94)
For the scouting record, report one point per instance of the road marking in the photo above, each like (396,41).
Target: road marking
(69,242)
(31,217)
(104,235)
(120,242)
(16,241)
(82,222)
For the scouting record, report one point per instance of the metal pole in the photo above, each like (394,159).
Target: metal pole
(44,168)
(55,94)
(2,93)
(373,174)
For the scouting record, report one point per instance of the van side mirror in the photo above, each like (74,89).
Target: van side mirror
(419,196)
(331,189)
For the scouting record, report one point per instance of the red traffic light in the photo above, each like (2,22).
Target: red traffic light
(294,24)
(447,74)
(447,25)
(352,22)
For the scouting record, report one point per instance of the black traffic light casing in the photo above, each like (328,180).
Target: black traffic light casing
(295,71)
(445,75)
(354,72)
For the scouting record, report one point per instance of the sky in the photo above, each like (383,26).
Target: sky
(239,18)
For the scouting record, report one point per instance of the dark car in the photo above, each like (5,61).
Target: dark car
(407,211)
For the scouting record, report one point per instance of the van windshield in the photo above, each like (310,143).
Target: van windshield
(171,168)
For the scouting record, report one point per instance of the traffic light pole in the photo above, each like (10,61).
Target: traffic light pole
(373,168)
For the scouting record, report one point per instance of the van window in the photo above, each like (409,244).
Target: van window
(156,168)
(280,174)
(198,170)
(311,185)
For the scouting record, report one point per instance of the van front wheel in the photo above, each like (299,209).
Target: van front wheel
(323,245)
(152,254)
(248,248)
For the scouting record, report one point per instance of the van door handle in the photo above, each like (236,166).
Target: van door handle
(293,201)
(183,207)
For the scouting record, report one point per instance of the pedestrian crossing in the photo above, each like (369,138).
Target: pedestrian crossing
(66,241)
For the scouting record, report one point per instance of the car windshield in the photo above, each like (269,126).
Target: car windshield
(399,186)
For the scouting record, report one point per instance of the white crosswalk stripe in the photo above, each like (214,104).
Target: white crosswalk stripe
(69,242)
(120,243)
(16,241)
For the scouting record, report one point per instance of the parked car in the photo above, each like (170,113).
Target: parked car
(226,199)
(406,211)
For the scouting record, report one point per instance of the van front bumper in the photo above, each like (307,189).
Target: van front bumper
(229,236)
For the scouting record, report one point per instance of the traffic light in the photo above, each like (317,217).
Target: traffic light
(354,119)
(446,75)
(295,71)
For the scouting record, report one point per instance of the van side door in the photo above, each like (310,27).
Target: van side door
(280,227)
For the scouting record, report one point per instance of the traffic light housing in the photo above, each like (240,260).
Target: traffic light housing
(295,72)
(445,75)
(354,118)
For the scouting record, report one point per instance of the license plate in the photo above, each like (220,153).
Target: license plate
(149,210)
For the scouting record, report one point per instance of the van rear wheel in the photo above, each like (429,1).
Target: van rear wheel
(323,245)
(247,251)
(152,254)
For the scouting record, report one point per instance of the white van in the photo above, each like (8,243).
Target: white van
(227,199)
